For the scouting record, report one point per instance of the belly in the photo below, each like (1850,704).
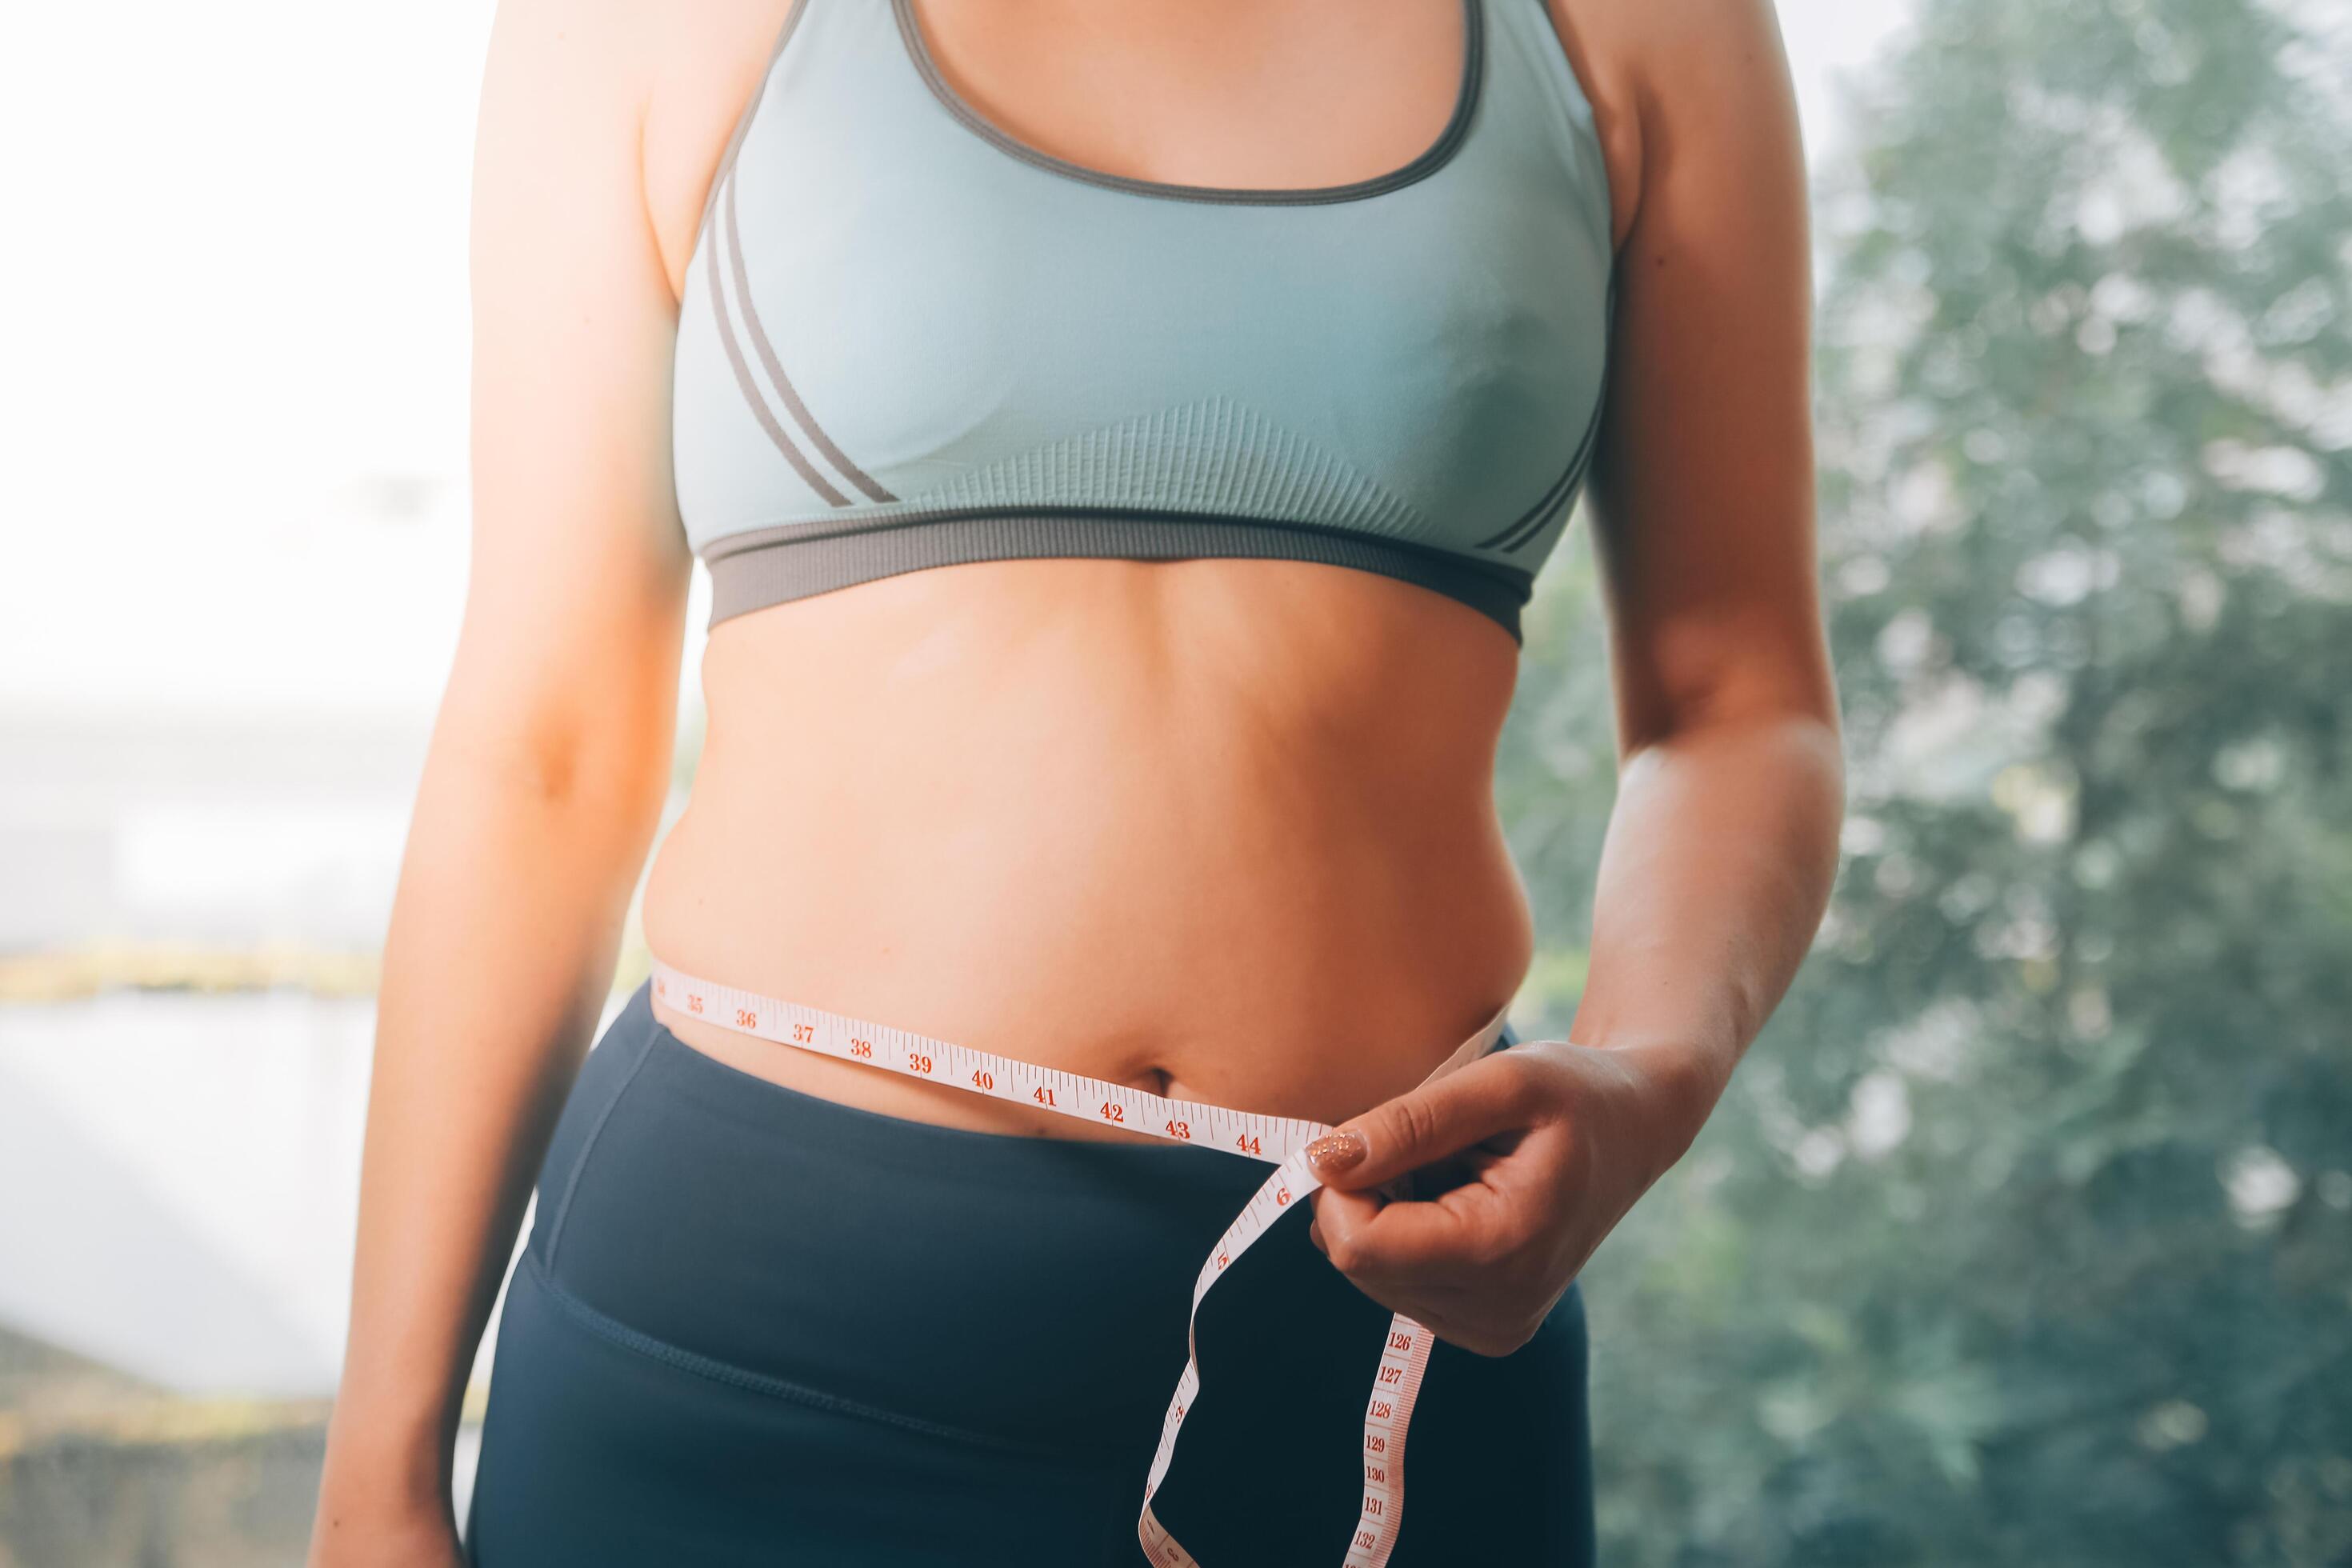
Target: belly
(1219,829)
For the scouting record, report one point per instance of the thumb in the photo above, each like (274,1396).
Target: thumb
(1424,1125)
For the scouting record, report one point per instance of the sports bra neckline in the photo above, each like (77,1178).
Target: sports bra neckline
(924,343)
(1428,162)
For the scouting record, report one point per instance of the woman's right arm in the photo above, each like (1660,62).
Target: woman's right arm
(549,763)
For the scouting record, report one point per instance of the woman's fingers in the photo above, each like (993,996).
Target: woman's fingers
(1469,1319)
(1455,1205)
(1493,1095)
(1463,1229)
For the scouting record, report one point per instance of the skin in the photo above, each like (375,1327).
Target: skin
(1221,829)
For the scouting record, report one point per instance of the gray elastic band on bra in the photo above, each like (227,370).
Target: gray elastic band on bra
(751,571)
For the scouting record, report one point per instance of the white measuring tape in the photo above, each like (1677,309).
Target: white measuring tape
(1279,1140)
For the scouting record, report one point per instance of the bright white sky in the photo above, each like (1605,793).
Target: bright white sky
(233,321)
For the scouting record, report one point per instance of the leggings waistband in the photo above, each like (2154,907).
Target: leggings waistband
(769,1323)
(1016,1289)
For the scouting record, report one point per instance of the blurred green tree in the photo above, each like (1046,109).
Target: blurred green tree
(2025,1233)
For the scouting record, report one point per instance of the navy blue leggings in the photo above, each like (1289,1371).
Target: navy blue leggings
(752,1325)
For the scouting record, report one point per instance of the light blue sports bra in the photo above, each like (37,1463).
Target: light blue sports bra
(910,341)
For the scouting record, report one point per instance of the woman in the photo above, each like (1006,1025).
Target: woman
(1121,438)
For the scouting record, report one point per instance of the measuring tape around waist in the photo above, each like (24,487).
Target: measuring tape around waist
(1280,1141)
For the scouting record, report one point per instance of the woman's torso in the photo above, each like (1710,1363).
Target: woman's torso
(1223,829)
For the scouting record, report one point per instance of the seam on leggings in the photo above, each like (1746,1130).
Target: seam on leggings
(587,1148)
(621,1334)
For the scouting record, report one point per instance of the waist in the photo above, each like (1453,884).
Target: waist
(1216,834)
(1014,1290)
(866,1254)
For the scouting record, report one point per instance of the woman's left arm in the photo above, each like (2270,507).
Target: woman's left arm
(1723,842)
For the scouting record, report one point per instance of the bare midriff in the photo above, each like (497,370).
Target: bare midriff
(1224,830)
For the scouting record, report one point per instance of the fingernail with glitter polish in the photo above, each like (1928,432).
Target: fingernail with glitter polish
(1337,1151)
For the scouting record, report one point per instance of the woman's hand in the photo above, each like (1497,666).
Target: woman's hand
(1526,1159)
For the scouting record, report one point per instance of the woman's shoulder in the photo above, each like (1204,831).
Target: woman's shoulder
(703,63)
(662,83)
(1668,72)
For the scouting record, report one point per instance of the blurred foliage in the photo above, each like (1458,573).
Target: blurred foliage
(2024,1234)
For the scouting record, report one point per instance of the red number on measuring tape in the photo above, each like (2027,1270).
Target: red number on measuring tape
(1246,1144)
(1113,1112)
(746,1019)
(1398,1341)
(1377,1474)
(1181,1130)
(1376,1443)
(1372,1506)
(1391,1374)
(804,1032)
(1281,1196)
(1044,1096)
(861,1047)
(919,1064)
(693,1002)
(1364,1539)
(1379,1411)
(982,1080)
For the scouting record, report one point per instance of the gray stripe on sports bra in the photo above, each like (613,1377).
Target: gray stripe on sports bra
(1531,521)
(751,390)
(760,344)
